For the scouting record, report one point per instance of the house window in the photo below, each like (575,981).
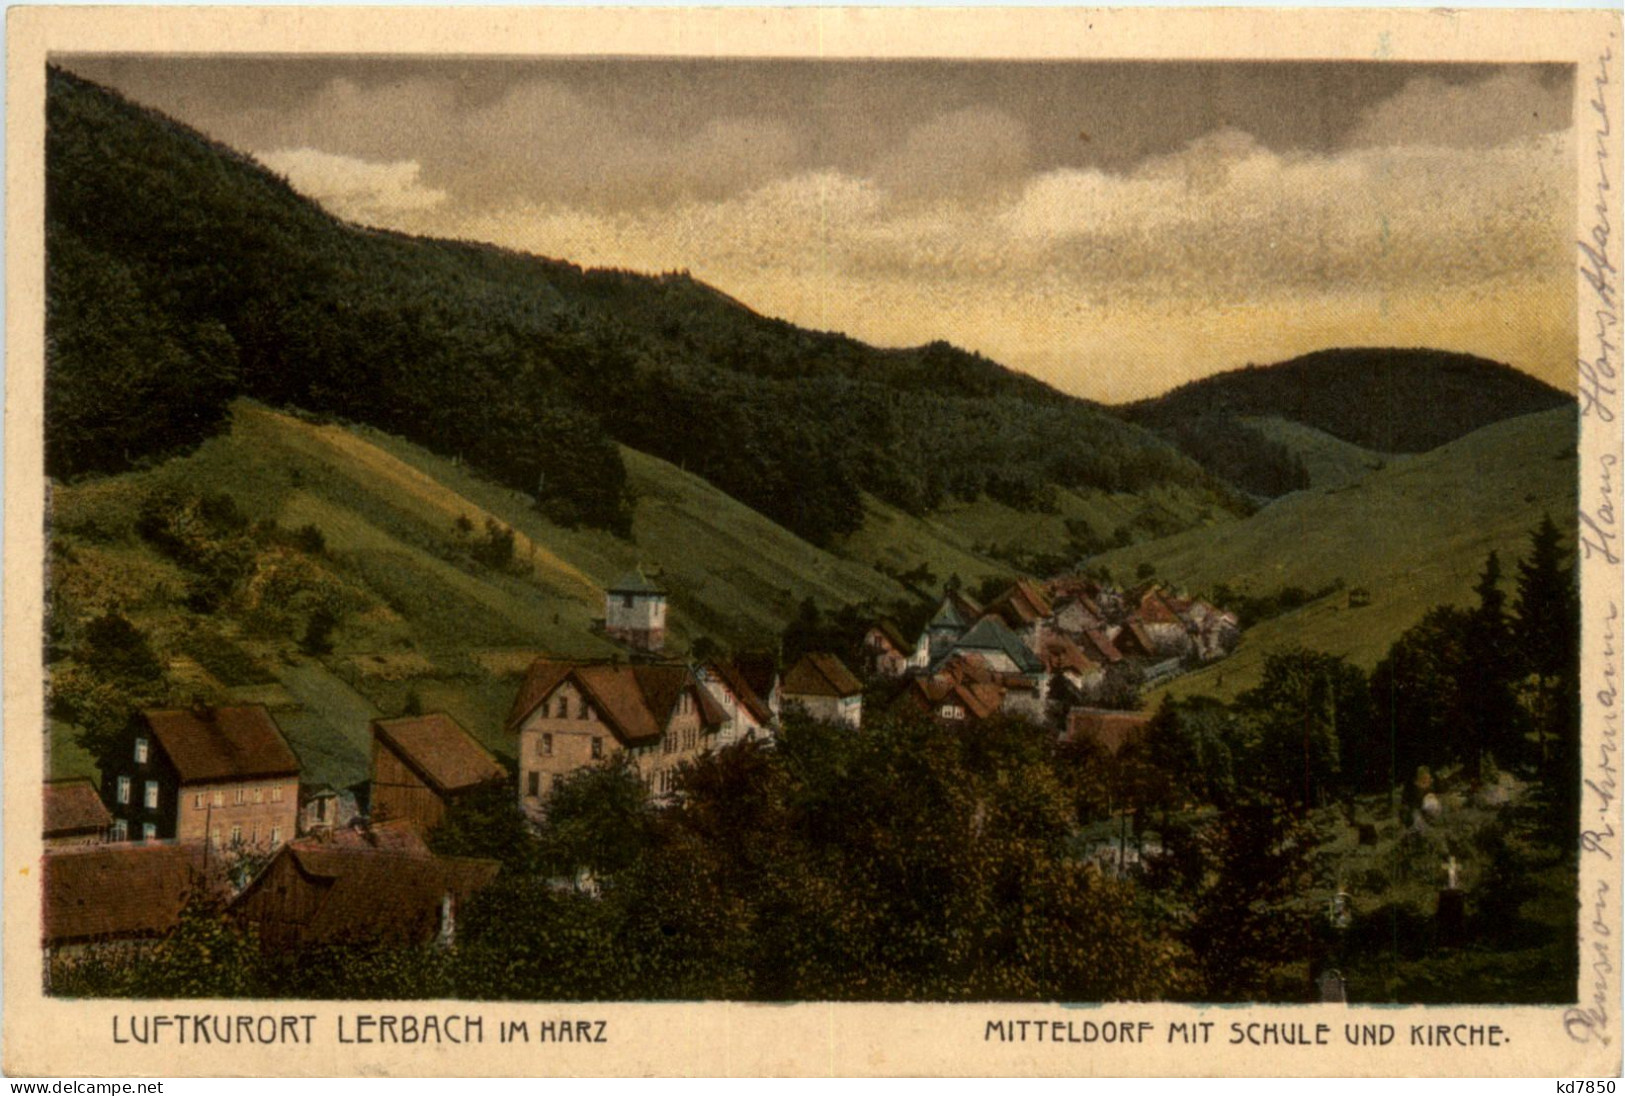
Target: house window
(236,835)
(197,801)
(547,707)
(667,743)
(259,795)
(276,795)
(149,832)
(220,799)
(214,837)
(546,745)
(123,789)
(686,704)
(586,710)
(140,751)
(149,796)
(121,830)
(239,796)
(952,711)
(535,785)
(276,836)
(597,748)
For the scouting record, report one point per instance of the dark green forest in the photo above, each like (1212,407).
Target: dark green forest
(1387,400)
(181,274)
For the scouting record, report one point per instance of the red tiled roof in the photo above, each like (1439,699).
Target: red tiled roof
(1134,629)
(121,891)
(1098,646)
(1110,730)
(213,744)
(1154,610)
(820,674)
(74,806)
(397,835)
(369,894)
(1060,653)
(441,752)
(636,701)
(759,671)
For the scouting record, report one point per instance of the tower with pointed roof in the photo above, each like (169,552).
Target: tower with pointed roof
(635,611)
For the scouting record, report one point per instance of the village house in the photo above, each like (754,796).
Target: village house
(125,896)
(750,718)
(822,685)
(75,814)
(888,654)
(953,618)
(422,765)
(1064,658)
(1165,630)
(952,697)
(1077,614)
(569,715)
(335,893)
(1002,650)
(1024,609)
(635,612)
(323,807)
(222,774)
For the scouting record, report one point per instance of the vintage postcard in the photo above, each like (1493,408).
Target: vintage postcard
(812,541)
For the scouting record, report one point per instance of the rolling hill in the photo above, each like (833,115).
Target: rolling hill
(1413,533)
(1327,461)
(1387,400)
(183,275)
(422,617)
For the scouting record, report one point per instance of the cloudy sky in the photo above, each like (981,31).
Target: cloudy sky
(1114,228)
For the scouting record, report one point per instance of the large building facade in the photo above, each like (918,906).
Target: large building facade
(570,715)
(225,775)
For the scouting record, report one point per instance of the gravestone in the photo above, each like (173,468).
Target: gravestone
(1451,916)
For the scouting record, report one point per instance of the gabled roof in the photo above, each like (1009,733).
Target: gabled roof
(636,701)
(733,679)
(1153,609)
(979,698)
(893,635)
(440,751)
(820,674)
(1024,603)
(1061,654)
(1099,646)
(1110,730)
(990,634)
(74,806)
(1134,635)
(215,744)
(636,582)
(120,891)
(369,894)
(947,616)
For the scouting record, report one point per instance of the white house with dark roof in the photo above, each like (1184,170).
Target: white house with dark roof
(635,611)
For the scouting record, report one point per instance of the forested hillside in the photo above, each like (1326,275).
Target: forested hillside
(182,275)
(1388,400)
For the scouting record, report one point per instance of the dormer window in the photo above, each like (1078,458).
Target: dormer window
(140,751)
